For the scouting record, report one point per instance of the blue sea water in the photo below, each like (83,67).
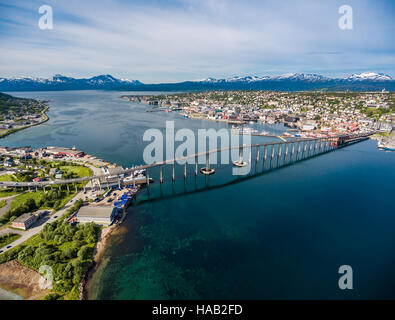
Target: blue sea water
(281,234)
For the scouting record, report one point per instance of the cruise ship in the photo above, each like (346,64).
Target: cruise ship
(244,130)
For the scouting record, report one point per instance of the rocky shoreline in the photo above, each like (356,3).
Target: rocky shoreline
(97,255)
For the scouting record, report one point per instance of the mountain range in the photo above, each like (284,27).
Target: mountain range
(368,81)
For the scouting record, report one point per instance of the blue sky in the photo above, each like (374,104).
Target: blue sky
(169,41)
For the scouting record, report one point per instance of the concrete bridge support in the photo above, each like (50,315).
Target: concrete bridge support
(279,154)
(292,152)
(304,149)
(264,157)
(298,151)
(271,157)
(257,154)
(312,148)
(285,154)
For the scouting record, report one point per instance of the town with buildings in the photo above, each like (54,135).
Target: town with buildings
(20,113)
(312,114)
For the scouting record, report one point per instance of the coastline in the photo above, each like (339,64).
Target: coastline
(43,113)
(97,261)
(18,281)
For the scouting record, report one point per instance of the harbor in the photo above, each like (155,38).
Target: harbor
(387,144)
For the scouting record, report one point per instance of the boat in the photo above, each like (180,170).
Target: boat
(249,131)
(207,171)
(240,163)
(244,130)
(380,144)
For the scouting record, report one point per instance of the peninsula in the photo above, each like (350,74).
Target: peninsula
(20,113)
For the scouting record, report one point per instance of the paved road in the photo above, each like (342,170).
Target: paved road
(35,229)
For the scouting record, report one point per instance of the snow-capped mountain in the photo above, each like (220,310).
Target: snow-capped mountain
(301,77)
(369,76)
(290,81)
(61,82)
(248,79)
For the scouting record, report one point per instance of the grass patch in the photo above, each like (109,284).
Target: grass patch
(19,200)
(385,134)
(80,171)
(8,177)
(2,203)
(8,193)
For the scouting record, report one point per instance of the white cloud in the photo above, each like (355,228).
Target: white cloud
(188,39)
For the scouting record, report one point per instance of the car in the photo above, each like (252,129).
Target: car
(8,247)
(85,192)
(1,251)
(55,217)
(71,200)
(109,200)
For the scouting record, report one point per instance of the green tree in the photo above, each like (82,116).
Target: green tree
(84,253)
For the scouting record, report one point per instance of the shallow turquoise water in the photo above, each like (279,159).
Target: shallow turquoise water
(278,235)
(7,295)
